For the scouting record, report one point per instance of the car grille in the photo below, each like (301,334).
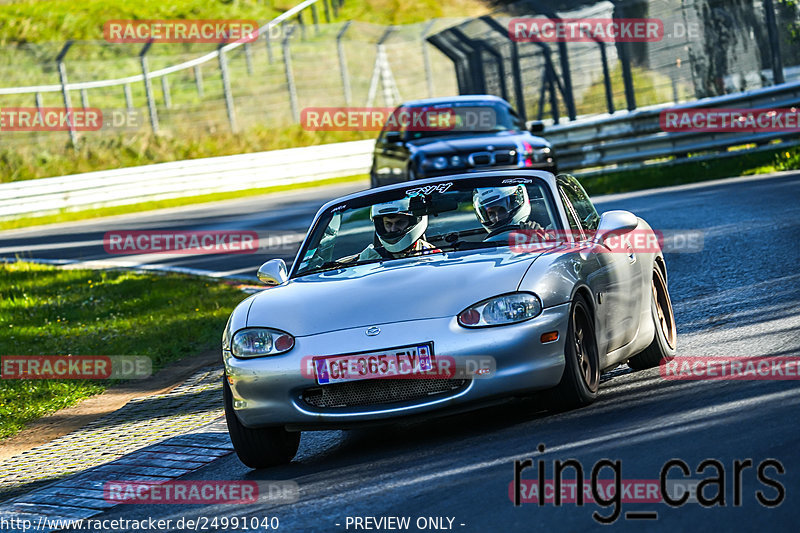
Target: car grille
(485,159)
(380,391)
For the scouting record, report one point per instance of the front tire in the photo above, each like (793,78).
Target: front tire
(258,447)
(581,379)
(665,339)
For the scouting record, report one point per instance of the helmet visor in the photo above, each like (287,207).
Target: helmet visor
(394,226)
(497,210)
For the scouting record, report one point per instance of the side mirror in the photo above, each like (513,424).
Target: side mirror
(536,126)
(393,137)
(273,272)
(616,222)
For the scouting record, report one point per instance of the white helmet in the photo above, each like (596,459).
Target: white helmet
(516,207)
(397,241)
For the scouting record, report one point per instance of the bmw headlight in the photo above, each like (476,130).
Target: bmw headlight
(440,163)
(506,309)
(260,342)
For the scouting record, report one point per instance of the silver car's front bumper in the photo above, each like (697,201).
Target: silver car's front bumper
(268,391)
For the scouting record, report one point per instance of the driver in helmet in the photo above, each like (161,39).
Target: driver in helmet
(398,230)
(501,209)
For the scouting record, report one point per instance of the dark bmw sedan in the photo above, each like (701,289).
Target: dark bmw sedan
(485,133)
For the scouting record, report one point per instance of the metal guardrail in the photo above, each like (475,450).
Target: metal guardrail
(630,140)
(184,178)
(598,144)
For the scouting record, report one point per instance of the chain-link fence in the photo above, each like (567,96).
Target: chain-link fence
(705,48)
(265,83)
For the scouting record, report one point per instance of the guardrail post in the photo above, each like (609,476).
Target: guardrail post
(343,63)
(148,87)
(774,43)
(248,58)
(62,74)
(426,58)
(198,80)
(226,89)
(126,89)
(165,92)
(327,11)
(287,64)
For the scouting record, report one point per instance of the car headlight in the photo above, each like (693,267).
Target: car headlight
(506,309)
(440,163)
(456,161)
(260,342)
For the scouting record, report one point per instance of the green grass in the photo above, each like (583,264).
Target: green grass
(24,21)
(50,311)
(693,171)
(68,216)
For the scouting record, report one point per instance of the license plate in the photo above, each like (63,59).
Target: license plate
(394,363)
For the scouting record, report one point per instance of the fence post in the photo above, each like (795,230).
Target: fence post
(38,100)
(343,63)
(606,78)
(148,87)
(774,43)
(268,39)
(165,92)
(248,58)
(427,58)
(226,88)
(302,25)
(84,98)
(315,17)
(62,74)
(327,11)
(287,63)
(198,80)
(128,97)
(627,76)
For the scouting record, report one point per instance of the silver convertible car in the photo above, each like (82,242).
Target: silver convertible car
(438,296)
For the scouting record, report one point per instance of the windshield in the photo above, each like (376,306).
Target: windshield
(423,220)
(463,118)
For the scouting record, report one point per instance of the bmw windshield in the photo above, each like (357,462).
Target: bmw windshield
(422,220)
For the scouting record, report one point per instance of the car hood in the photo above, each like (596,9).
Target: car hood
(407,289)
(462,143)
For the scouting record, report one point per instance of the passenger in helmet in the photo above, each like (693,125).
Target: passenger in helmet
(499,208)
(398,230)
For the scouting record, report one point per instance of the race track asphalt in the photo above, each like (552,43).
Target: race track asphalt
(738,297)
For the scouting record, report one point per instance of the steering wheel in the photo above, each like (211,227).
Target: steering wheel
(502,229)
